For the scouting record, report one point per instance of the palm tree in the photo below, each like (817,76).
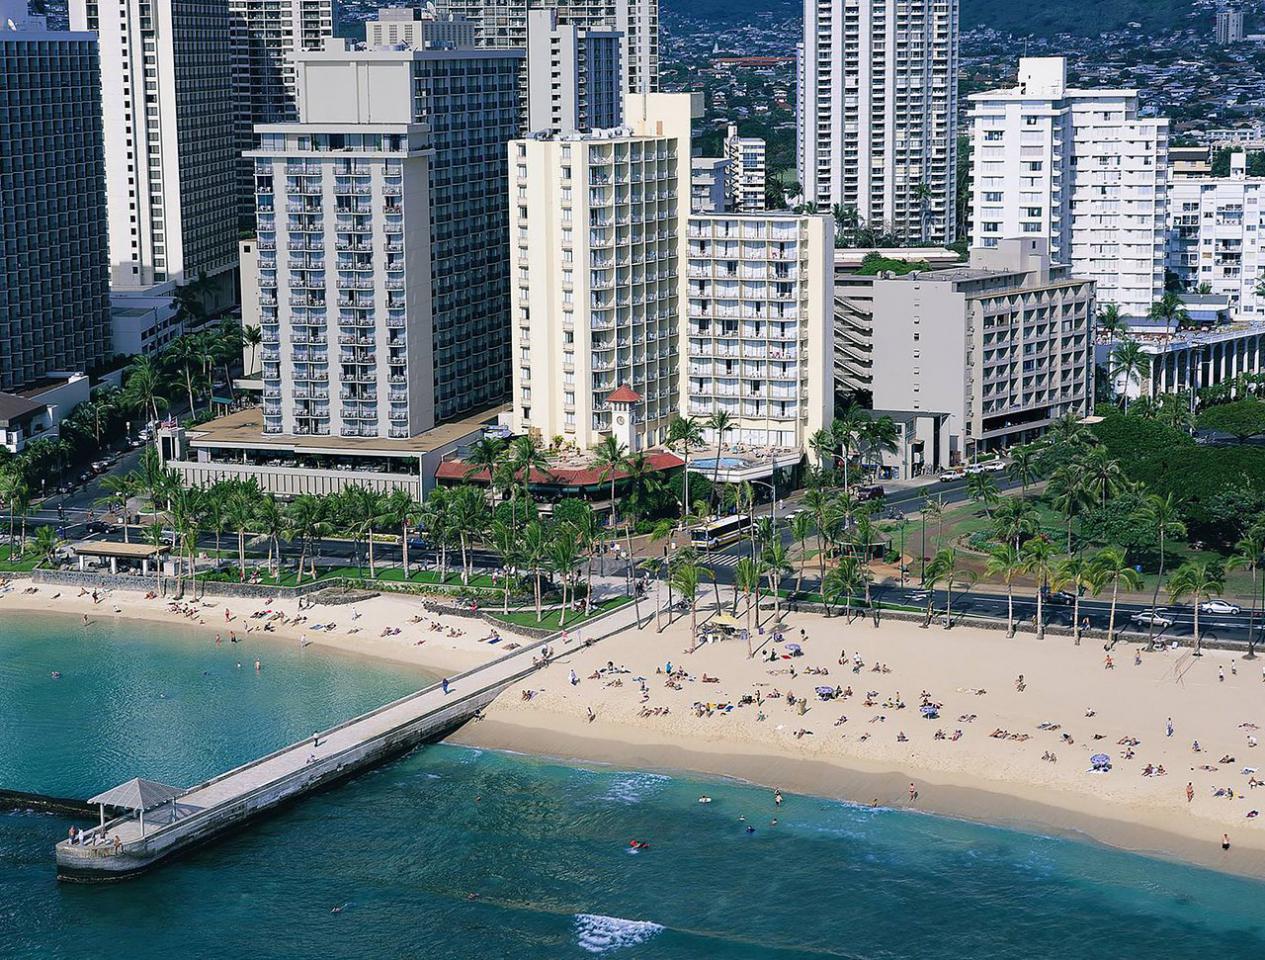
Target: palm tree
(1004,564)
(1162,516)
(816,505)
(1070,494)
(1102,474)
(525,455)
(271,522)
(1129,359)
(747,579)
(241,513)
(144,387)
(535,553)
(121,489)
(469,513)
(1109,565)
(685,433)
(252,337)
(933,510)
(1015,519)
(982,488)
(1037,558)
(846,431)
(1074,571)
(776,563)
(822,443)
(685,577)
(563,556)
(305,522)
(878,436)
(505,541)
(1200,580)
(1024,466)
(402,510)
(611,456)
(719,422)
(587,530)
(1248,552)
(1170,310)
(154,537)
(841,585)
(944,569)
(45,544)
(801,529)
(1110,323)
(485,454)
(185,355)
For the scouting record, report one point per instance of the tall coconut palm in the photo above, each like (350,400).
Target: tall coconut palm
(685,434)
(846,431)
(945,568)
(686,576)
(822,443)
(485,454)
(1005,565)
(801,530)
(241,512)
(1070,495)
(505,541)
(1102,473)
(270,521)
(776,563)
(1013,520)
(719,423)
(747,575)
(1129,360)
(252,337)
(1169,309)
(154,536)
(877,437)
(1037,560)
(563,556)
(1163,517)
(144,387)
(121,487)
(305,522)
(610,456)
(982,488)
(402,512)
(535,553)
(1074,571)
(1110,323)
(1249,553)
(840,586)
(469,512)
(1024,466)
(1111,566)
(1200,580)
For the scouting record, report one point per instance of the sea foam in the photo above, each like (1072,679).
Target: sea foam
(598,934)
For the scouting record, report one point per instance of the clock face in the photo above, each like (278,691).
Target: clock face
(619,421)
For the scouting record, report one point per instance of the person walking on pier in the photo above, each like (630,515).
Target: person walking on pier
(444,683)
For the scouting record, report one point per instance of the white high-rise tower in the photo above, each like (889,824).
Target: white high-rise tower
(877,115)
(170,151)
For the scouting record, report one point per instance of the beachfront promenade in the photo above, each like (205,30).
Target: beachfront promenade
(129,844)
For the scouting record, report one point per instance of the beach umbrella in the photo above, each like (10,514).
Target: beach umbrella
(825,691)
(928,711)
(1100,761)
(794,648)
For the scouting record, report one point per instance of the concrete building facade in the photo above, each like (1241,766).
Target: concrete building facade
(877,112)
(265,34)
(1079,168)
(170,136)
(467,98)
(746,173)
(598,235)
(1228,27)
(709,184)
(1003,346)
(574,76)
(1216,233)
(503,24)
(54,241)
(757,342)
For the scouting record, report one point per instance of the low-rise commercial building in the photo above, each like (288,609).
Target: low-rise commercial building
(1003,346)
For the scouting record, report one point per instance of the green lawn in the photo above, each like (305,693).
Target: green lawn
(289,578)
(527,618)
(20,565)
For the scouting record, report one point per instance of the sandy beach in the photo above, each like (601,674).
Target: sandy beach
(1071,706)
(436,644)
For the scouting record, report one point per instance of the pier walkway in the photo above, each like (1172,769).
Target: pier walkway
(129,844)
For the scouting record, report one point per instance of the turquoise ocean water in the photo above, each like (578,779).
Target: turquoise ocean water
(455,853)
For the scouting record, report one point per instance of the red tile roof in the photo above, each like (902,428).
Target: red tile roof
(623,394)
(559,476)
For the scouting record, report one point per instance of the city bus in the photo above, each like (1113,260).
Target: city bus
(720,533)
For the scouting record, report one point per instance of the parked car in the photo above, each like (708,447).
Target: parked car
(1145,618)
(1220,606)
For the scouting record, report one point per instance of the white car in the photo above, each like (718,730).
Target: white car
(948,476)
(995,466)
(1147,618)
(1219,606)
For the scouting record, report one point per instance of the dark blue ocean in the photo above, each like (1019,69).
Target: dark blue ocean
(456,853)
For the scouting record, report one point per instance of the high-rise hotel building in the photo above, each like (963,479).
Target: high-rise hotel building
(170,137)
(503,24)
(757,330)
(54,248)
(1080,168)
(573,76)
(265,34)
(383,271)
(877,112)
(598,240)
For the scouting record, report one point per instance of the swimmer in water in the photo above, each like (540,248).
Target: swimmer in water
(258,666)
(750,829)
(56,674)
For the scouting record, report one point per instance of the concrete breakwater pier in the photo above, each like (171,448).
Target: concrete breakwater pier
(163,821)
